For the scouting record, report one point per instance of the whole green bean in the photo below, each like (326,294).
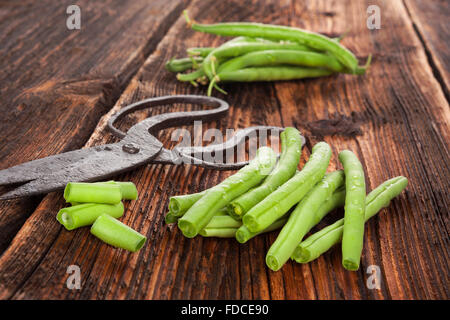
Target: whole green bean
(302,219)
(291,192)
(108,193)
(311,39)
(85,214)
(321,241)
(268,74)
(355,202)
(191,76)
(235,49)
(291,145)
(183,64)
(243,234)
(282,56)
(199,215)
(228,229)
(117,234)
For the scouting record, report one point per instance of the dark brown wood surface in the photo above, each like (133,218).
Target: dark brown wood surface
(56,84)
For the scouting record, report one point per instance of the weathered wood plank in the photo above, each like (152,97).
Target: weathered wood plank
(430,20)
(399,111)
(403,117)
(56,83)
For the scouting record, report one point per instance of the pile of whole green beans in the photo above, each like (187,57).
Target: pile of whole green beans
(99,205)
(263,52)
(267,195)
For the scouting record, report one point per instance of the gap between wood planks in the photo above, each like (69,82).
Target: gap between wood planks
(437,72)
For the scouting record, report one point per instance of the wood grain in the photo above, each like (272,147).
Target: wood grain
(401,119)
(57,83)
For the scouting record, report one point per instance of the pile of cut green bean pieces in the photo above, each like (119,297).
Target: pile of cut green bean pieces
(268,194)
(263,52)
(99,205)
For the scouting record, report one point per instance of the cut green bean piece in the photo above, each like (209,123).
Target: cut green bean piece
(85,214)
(243,234)
(199,215)
(321,241)
(200,51)
(117,234)
(128,189)
(291,145)
(223,221)
(218,232)
(178,205)
(302,219)
(92,192)
(170,218)
(275,205)
(355,202)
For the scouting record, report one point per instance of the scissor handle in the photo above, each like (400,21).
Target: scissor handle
(169,119)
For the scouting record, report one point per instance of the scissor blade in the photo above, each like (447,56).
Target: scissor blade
(41,167)
(96,163)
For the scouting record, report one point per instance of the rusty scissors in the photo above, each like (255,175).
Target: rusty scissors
(137,146)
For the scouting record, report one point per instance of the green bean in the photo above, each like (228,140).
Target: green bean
(218,232)
(268,74)
(321,241)
(311,39)
(272,74)
(183,64)
(200,51)
(355,202)
(92,192)
(291,145)
(302,219)
(291,192)
(227,227)
(170,218)
(199,215)
(117,234)
(191,76)
(235,49)
(243,234)
(128,189)
(85,214)
(282,56)
(178,205)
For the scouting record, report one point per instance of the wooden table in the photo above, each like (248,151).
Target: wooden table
(58,87)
